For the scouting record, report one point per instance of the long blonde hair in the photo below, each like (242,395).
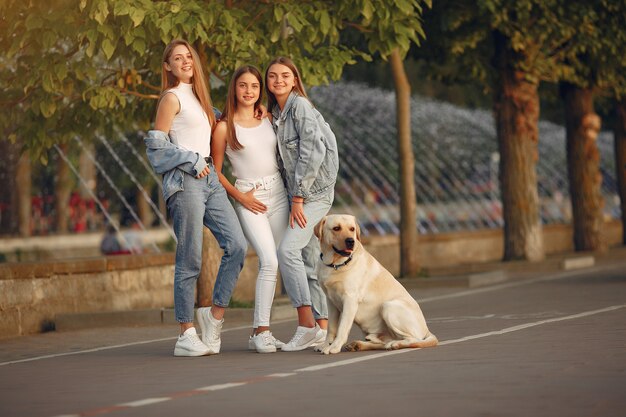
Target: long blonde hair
(299,87)
(198,80)
(231,103)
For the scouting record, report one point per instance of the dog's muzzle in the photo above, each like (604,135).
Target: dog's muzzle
(343,253)
(349,243)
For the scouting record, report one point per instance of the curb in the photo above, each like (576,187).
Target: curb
(154,317)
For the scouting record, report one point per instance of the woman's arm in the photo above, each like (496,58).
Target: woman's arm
(168,108)
(166,111)
(218,150)
(311,146)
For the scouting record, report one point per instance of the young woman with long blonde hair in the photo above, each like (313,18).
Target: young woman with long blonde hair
(179,148)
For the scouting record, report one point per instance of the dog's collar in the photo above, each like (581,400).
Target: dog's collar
(336,266)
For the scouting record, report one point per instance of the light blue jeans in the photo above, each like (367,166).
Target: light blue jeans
(204,202)
(298,254)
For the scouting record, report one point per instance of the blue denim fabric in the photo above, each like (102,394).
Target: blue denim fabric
(311,257)
(173,162)
(298,254)
(307,147)
(204,202)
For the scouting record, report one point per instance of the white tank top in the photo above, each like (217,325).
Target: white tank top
(258,157)
(191,128)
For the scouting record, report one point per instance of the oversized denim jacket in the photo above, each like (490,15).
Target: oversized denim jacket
(172,161)
(307,148)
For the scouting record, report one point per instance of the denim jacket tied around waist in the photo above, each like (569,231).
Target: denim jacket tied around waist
(172,161)
(307,148)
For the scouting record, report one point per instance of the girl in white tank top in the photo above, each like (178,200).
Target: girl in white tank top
(260,198)
(185,117)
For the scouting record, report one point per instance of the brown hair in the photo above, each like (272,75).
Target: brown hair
(231,103)
(299,87)
(198,81)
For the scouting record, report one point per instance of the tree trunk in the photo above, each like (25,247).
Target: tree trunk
(87,171)
(23,184)
(211,258)
(144,211)
(409,262)
(8,198)
(583,167)
(620,159)
(516,111)
(62,191)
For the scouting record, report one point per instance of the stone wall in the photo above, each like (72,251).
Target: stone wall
(32,293)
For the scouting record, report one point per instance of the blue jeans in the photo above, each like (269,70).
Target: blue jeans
(298,254)
(204,202)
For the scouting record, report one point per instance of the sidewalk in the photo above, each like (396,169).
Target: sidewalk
(464,276)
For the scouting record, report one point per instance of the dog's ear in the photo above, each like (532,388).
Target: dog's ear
(318,230)
(358,230)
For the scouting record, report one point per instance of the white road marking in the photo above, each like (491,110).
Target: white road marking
(122,345)
(462,339)
(314,368)
(219,387)
(147,401)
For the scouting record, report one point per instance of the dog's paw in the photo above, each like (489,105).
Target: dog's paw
(335,349)
(321,347)
(353,346)
(325,350)
(331,349)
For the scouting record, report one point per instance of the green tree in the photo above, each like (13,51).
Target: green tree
(511,47)
(81,67)
(597,66)
(87,67)
(389,29)
(609,51)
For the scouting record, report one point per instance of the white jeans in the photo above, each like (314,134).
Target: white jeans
(264,232)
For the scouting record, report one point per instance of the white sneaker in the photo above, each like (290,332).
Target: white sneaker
(320,337)
(263,342)
(211,329)
(302,339)
(275,342)
(189,344)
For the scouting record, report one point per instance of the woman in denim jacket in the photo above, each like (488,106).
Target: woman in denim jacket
(308,153)
(179,148)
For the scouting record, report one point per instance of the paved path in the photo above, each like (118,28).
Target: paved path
(541,344)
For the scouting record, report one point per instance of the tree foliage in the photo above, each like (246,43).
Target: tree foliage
(75,67)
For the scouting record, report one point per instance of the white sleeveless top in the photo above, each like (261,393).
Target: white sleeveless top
(258,157)
(191,128)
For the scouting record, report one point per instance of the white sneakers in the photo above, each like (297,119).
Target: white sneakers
(320,337)
(211,329)
(189,344)
(303,338)
(264,342)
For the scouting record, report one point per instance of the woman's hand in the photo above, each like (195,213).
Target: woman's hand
(260,112)
(249,202)
(206,171)
(297,213)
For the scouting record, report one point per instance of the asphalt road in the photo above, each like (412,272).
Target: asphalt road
(545,345)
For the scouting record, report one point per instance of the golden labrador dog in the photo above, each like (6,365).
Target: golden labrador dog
(360,290)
